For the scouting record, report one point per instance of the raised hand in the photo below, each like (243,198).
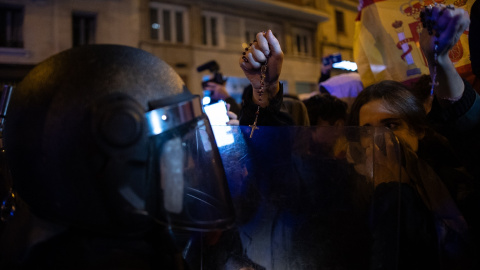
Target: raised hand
(444,26)
(265,48)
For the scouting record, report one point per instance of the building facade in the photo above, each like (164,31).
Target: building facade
(33,30)
(184,33)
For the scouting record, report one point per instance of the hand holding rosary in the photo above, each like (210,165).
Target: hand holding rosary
(261,62)
(429,22)
(444,26)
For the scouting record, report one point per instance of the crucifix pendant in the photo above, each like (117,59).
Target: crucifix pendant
(254,126)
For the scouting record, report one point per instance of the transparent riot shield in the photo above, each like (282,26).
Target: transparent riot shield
(305,198)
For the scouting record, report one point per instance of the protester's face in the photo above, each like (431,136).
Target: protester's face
(376,113)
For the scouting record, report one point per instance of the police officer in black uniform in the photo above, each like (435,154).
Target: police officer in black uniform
(110,156)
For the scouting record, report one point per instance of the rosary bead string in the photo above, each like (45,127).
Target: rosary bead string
(263,72)
(428,23)
(261,91)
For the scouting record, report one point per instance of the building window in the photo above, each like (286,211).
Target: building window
(212,31)
(11,26)
(168,23)
(167,26)
(179,28)
(83,28)
(302,42)
(340,21)
(154,25)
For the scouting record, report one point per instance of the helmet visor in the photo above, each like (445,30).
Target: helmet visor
(191,190)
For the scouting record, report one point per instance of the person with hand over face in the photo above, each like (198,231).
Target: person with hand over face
(437,197)
(427,218)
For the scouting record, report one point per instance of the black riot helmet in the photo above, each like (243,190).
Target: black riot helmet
(108,138)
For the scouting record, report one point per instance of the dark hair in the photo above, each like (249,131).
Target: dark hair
(400,99)
(326,107)
(421,88)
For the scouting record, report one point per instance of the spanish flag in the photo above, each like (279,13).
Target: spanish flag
(386,41)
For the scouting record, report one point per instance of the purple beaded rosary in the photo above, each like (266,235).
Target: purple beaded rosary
(428,23)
